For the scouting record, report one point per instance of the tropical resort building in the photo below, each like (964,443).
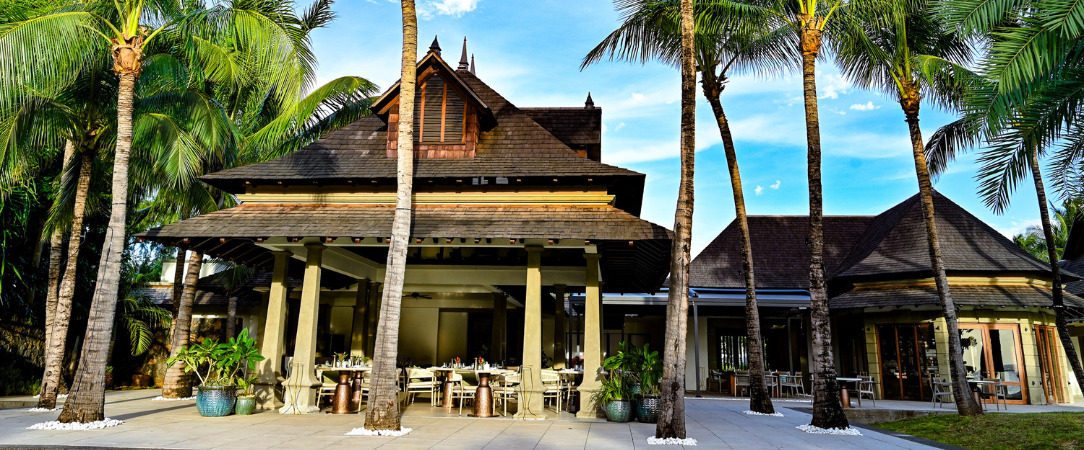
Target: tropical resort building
(886,316)
(513,210)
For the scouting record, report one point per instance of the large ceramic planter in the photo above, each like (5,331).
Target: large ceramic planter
(647,409)
(216,401)
(245,405)
(618,411)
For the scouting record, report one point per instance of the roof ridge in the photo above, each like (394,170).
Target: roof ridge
(876,232)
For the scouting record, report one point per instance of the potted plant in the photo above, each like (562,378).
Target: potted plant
(218,366)
(616,394)
(650,370)
(246,400)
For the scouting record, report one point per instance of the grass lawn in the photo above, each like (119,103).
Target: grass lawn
(1032,430)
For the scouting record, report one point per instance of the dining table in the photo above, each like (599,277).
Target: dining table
(346,396)
(445,374)
(844,393)
(483,394)
(976,389)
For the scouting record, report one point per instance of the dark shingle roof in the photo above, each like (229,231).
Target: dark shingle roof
(962,295)
(579,128)
(516,147)
(895,243)
(526,222)
(780,252)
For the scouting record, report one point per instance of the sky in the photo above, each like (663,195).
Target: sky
(530,52)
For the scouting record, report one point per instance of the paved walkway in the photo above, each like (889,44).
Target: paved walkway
(715,423)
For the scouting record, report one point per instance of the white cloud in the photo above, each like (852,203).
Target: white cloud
(831,85)
(1018,227)
(759,190)
(619,126)
(428,9)
(776,184)
(869,106)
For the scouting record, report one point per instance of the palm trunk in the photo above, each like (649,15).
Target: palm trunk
(965,403)
(760,399)
(86,402)
(176,383)
(383,411)
(1060,321)
(671,420)
(54,353)
(56,247)
(827,408)
(178,285)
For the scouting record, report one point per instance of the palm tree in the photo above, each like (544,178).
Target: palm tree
(884,55)
(383,411)
(1033,241)
(671,421)
(1024,99)
(651,30)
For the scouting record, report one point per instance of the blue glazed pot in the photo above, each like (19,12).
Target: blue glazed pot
(216,401)
(618,411)
(245,405)
(647,409)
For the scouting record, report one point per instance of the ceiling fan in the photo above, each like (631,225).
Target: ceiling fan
(419,295)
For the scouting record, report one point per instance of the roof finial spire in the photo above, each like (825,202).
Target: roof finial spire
(463,59)
(472,65)
(435,46)
(589,104)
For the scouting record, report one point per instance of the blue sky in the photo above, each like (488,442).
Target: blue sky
(531,51)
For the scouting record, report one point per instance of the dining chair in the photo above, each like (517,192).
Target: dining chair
(741,384)
(790,383)
(327,387)
(505,390)
(996,391)
(421,381)
(940,388)
(867,387)
(461,389)
(555,389)
(715,377)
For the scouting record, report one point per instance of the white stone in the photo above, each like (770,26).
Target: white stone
(754,413)
(849,431)
(41,410)
(361,431)
(652,440)
(163,399)
(76,426)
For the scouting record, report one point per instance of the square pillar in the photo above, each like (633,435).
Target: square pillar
(303,382)
(560,320)
(592,342)
(497,351)
(274,330)
(359,329)
(531,388)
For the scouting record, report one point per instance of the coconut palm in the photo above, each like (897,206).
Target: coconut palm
(383,401)
(884,56)
(1023,100)
(1033,241)
(650,30)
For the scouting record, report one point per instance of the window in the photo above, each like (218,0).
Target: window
(438,113)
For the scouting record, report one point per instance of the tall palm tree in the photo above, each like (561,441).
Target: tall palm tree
(884,55)
(1024,99)
(383,411)
(1033,241)
(651,30)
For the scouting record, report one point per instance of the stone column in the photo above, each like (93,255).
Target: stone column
(531,389)
(560,321)
(497,351)
(359,328)
(303,382)
(374,316)
(274,330)
(592,341)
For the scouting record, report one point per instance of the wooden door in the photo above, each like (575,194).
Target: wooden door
(1050,364)
(995,351)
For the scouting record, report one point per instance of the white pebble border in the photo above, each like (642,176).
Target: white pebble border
(362,431)
(849,431)
(57,397)
(75,426)
(746,399)
(754,413)
(652,440)
(37,410)
(163,399)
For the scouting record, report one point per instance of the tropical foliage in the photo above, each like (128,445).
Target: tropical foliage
(220,363)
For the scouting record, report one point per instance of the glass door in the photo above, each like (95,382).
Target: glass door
(1050,364)
(904,363)
(994,351)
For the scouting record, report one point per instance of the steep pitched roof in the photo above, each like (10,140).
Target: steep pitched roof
(579,128)
(895,243)
(962,295)
(780,252)
(516,146)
